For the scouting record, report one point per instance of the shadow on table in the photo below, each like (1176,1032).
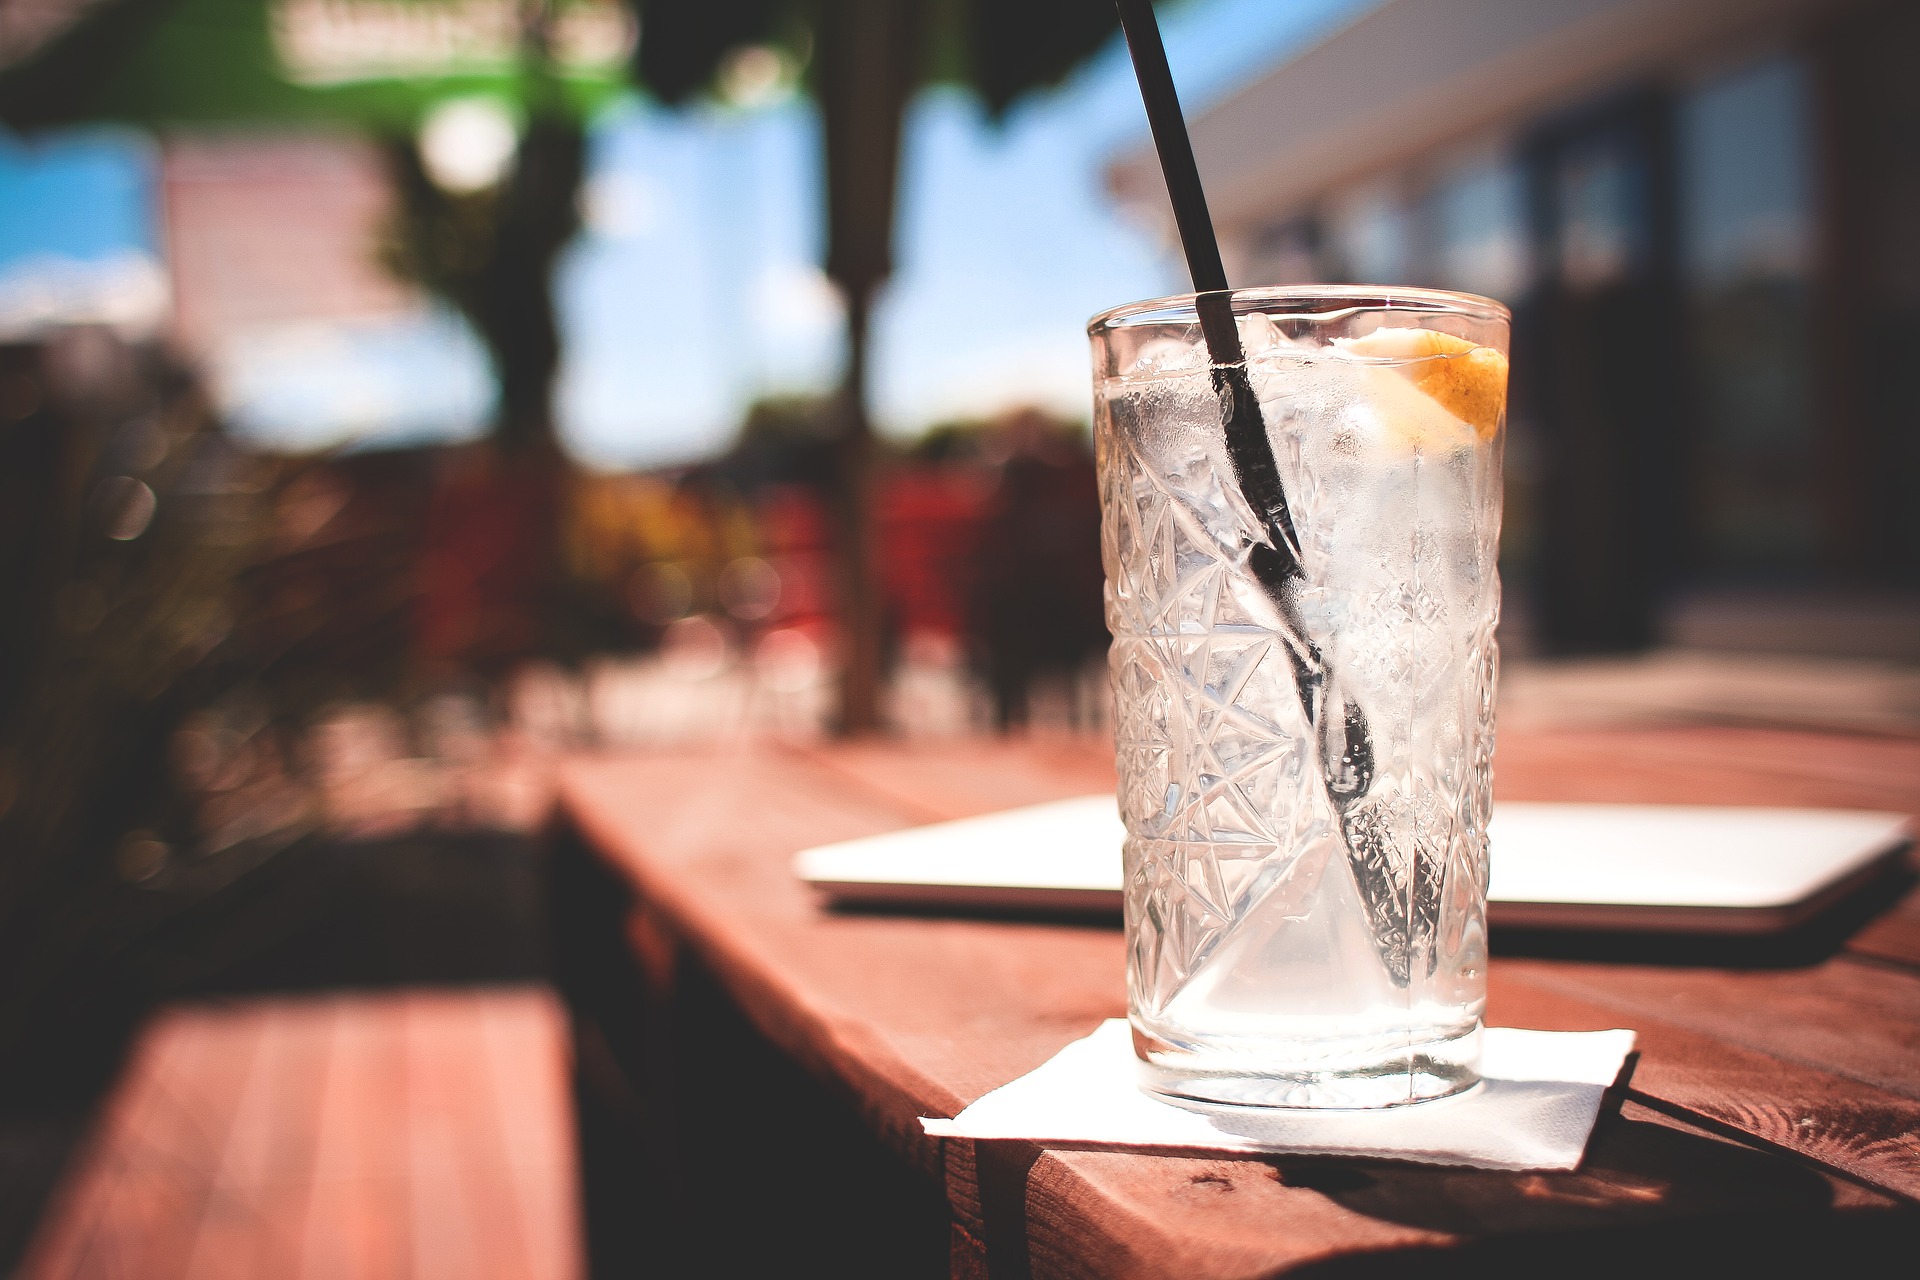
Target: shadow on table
(425,909)
(1818,939)
(428,908)
(1647,1192)
(704,1148)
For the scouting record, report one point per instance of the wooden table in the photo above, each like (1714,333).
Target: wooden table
(751,1067)
(378,1136)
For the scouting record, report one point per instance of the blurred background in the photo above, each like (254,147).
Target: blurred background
(397,395)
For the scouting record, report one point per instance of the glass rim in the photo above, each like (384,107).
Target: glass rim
(1359,297)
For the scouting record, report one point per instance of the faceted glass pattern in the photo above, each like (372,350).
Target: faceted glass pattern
(1286,943)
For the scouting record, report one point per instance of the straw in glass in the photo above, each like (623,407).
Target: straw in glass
(1346,746)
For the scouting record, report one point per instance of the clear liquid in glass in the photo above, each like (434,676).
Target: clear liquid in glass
(1285,947)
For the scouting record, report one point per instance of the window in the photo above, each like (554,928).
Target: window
(1370,238)
(1745,243)
(1478,219)
(1603,230)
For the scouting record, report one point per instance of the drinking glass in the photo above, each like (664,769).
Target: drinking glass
(1304,688)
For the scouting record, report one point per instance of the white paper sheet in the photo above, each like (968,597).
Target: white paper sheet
(1535,1108)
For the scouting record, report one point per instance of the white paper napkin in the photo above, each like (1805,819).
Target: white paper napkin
(1534,1109)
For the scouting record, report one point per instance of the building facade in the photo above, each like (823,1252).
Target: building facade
(1705,215)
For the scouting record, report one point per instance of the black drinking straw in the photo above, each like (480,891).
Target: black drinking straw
(1246,431)
(1346,747)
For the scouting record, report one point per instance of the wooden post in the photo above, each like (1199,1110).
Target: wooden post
(869,62)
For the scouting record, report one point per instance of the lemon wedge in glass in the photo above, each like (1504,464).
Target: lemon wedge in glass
(1469,381)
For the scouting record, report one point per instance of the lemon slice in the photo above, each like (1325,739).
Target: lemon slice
(1469,381)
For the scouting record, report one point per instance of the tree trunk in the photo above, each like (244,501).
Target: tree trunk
(862,609)
(537,217)
(495,523)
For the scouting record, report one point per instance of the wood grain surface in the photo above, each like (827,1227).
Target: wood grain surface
(1774,1105)
(378,1137)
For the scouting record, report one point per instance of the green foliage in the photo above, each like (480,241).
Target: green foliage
(1002,49)
(439,240)
(129,524)
(788,419)
(198,62)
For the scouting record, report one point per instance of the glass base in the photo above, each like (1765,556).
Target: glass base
(1408,1075)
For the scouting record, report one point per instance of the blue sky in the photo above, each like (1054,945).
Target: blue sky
(77,232)
(694,290)
(1006,243)
(82,196)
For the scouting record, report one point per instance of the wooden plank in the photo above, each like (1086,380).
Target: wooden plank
(357,1214)
(1863,1132)
(1819,1114)
(531,1094)
(250,1224)
(1023,1211)
(907,1014)
(490,1161)
(148,1175)
(1842,1017)
(920,1015)
(937,781)
(454,1146)
(316,1136)
(1851,1127)
(1892,934)
(1710,765)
